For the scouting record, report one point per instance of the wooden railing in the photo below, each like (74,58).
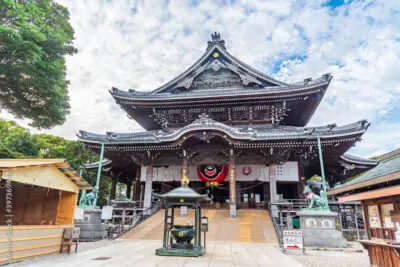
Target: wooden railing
(349,219)
(116,230)
(382,254)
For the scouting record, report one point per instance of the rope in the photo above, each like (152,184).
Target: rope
(221,188)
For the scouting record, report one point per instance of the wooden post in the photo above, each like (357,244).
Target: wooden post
(272,183)
(232,185)
(113,188)
(148,187)
(199,224)
(97,186)
(165,227)
(185,164)
(366,219)
(128,190)
(356,221)
(136,194)
(184,182)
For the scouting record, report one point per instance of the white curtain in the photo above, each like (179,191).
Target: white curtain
(285,172)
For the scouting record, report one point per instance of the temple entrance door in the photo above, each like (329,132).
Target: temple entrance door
(251,195)
(220,195)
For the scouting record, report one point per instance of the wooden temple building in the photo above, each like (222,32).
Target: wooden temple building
(379,192)
(239,134)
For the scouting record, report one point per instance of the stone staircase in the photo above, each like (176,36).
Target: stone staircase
(250,226)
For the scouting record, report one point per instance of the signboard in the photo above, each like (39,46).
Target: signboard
(79,214)
(106,212)
(373,214)
(292,239)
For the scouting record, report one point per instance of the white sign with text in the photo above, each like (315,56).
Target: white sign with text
(292,239)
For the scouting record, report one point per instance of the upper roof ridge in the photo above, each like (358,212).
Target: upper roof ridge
(216,40)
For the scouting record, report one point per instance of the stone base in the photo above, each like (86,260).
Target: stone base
(319,229)
(232,210)
(323,238)
(91,227)
(196,252)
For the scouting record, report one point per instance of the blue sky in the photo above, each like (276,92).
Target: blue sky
(143,44)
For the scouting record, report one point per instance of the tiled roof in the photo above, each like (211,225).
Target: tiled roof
(384,168)
(355,159)
(93,165)
(182,192)
(293,88)
(247,132)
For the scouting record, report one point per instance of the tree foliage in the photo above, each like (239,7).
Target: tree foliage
(18,142)
(35,36)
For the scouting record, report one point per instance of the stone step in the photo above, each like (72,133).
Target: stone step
(250,226)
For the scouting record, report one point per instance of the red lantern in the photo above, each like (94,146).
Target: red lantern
(212,173)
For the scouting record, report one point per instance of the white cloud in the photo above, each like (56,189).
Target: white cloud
(143,44)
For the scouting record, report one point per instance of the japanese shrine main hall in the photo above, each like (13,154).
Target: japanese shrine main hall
(238,134)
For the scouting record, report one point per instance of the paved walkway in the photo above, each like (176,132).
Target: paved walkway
(142,253)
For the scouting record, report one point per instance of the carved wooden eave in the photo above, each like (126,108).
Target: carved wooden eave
(239,133)
(256,144)
(218,80)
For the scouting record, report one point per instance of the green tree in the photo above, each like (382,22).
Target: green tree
(17,141)
(35,36)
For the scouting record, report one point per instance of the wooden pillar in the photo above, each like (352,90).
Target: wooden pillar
(136,189)
(232,185)
(300,183)
(185,170)
(113,189)
(165,228)
(367,228)
(148,187)
(300,189)
(238,194)
(128,190)
(272,182)
(267,196)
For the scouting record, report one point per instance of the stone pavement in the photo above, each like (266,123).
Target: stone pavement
(142,253)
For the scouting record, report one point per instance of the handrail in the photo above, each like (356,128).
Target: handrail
(135,220)
(278,231)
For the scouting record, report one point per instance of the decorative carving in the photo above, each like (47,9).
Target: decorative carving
(161,118)
(215,65)
(186,153)
(327,76)
(307,80)
(223,78)
(261,112)
(216,40)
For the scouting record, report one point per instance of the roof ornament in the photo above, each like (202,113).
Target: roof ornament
(307,80)
(216,40)
(327,76)
(203,117)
